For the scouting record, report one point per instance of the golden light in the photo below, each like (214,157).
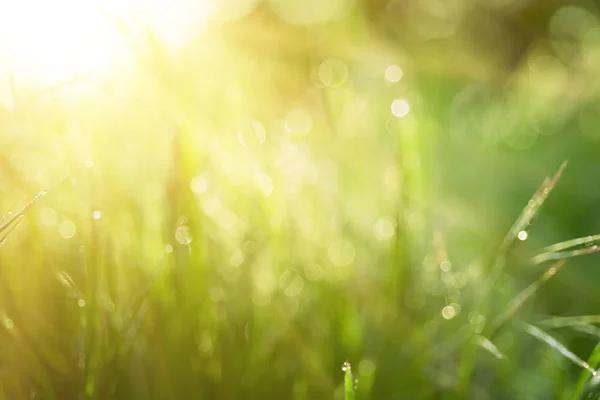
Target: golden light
(48,42)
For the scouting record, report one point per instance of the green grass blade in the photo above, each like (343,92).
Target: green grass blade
(348,382)
(561,322)
(524,221)
(569,244)
(21,213)
(487,344)
(588,330)
(10,228)
(561,255)
(68,282)
(532,209)
(555,344)
(517,302)
(593,361)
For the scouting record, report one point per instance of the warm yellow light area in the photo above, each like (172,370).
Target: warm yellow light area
(46,42)
(51,41)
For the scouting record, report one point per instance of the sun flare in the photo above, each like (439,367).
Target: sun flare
(48,42)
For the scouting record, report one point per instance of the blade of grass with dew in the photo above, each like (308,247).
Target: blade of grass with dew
(569,244)
(525,220)
(593,361)
(561,255)
(517,302)
(487,344)
(555,344)
(532,209)
(21,213)
(10,228)
(66,280)
(6,215)
(348,382)
(561,322)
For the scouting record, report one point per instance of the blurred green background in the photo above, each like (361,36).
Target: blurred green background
(301,184)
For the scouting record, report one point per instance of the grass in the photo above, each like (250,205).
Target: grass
(241,219)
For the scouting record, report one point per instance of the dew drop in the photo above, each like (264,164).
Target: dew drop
(522,235)
(183,234)
(8,323)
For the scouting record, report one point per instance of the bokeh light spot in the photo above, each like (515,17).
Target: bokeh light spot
(400,108)
(384,228)
(393,73)
(445,266)
(366,367)
(448,312)
(48,216)
(333,72)
(298,121)
(341,253)
(199,184)
(67,229)
(313,272)
(265,184)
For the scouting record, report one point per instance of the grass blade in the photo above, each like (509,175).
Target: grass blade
(561,322)
(15,218)
(588,330)
(582,241)
(10,228)
(561,255)
(348,382)
(561,348)
(487,344)
(517,302)
(498,263)
(593,361)
(532,209)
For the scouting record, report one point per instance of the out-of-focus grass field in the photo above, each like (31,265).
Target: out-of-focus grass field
(307,184)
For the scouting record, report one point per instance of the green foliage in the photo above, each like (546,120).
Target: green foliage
(348,382)
(249,210)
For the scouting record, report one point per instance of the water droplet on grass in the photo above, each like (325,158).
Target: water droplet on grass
(522,235)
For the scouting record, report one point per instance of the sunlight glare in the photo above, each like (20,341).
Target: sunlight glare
(46,43)
(51,42)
